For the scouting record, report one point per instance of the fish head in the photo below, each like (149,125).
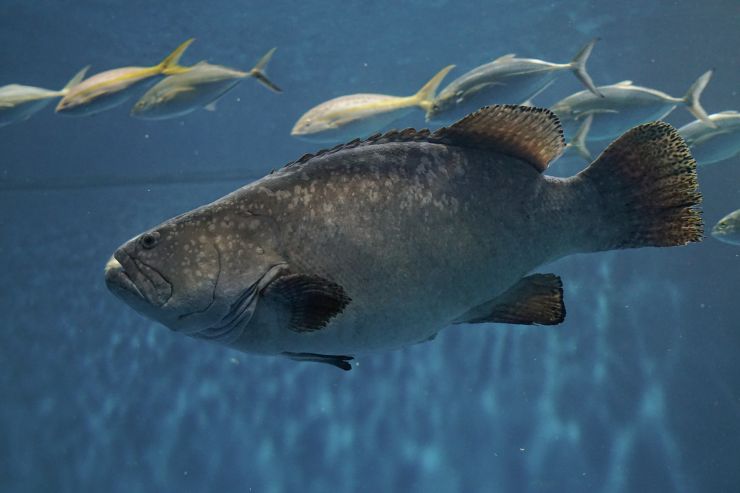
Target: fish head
(439,106)
(727,230)
(311,126)
(198,273)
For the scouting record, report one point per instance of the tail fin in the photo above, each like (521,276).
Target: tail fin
(578,65)
(644,191)
(79,76)
(260,69)
(425,97)
(578,144)
(170,65)
(691,98)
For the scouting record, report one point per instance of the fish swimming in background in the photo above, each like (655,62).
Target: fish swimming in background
(727,229)
(711,144)
(19,103)
(199,87)
(626,105)
(111,88)
(508,80)
(382,243)
(360,115)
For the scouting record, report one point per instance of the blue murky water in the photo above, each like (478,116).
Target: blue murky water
(636,392)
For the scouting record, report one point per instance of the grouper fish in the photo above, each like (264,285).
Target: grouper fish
(713,143)
(625,105)
(508,79)
(361,115)
(381,243)
(109,89)
(19,103)
(200,87)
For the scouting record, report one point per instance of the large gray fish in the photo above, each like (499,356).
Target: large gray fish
(727,229)
(19,103)
(200,87)
(711,144)
(507,79)
(382,243)
(625,105)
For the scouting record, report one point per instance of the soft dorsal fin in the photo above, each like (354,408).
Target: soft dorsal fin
(531,134)
(624,83)
(505,58)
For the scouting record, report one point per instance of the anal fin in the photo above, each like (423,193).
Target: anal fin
(534,300)
(341,362)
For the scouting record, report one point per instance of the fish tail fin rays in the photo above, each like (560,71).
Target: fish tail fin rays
(642,191)
(691,98)
(578,65)
(534,300)
(425,97)
(259,72)
(171,64)
(578,144)
(79,76)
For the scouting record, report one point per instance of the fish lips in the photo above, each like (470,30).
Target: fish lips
(136,282)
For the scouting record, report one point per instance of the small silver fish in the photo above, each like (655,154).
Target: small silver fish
(727,229)
(713,144)
(199,87)
(507,79)
(360,115)
(626,105)
(19,103)
(109,89)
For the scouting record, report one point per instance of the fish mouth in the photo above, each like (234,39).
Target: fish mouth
(135,281)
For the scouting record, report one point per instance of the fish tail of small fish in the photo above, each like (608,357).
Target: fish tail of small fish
(171,64)
(79,76)
(578,144)
(646,190)
(425,97)
(578,66)
(259,72)
(693,95)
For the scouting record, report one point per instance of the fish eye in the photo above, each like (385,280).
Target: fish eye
(149,240)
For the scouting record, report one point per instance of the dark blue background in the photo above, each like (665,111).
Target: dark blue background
(637,391)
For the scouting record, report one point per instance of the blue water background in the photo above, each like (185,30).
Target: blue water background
(636,392)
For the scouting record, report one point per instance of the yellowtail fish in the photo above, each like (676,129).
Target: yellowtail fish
(109,89)
(360,115)
(626,105)
(19,103)
(199,87)
(508,79)
(713,144)
(727,229)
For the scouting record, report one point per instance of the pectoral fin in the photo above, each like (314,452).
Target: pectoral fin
(534,300)
(311,301)
(340,362)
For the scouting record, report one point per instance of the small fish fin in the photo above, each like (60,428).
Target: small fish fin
(578,144)
(578,65)
(425,97)
(505,58)
(210,106)
(529,100)
(641,191)
(341,362)
(534,300)
(531,134)
(76,79)
(475,89)
(311,301)
(623,83)
(691,98)
(170,65)
(728,112)
(603,111)
(259,72)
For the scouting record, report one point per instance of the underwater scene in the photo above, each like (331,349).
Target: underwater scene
(426,246)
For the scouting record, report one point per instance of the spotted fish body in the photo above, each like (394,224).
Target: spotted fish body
(382,243)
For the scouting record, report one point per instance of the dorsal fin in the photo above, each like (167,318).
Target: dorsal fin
(531,134)
(504,58)
(624,83)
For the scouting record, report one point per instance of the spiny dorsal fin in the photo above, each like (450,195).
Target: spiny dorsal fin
(525,132)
